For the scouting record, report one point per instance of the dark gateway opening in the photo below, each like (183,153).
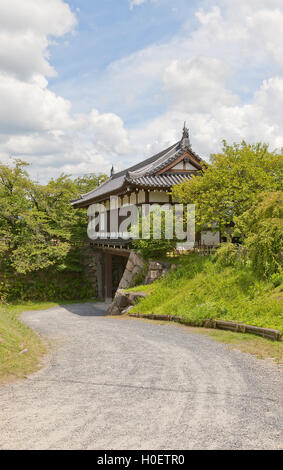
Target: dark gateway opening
(118,268)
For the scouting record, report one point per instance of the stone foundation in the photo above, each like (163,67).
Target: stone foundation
(123,302)
(134,266)
(90,264)
(93,261)
(156,270)
(153,270)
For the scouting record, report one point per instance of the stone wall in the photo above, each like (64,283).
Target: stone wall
(151,271)
(135,266)
(156,270)
(93,261)
(90,264)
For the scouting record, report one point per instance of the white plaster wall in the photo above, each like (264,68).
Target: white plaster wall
(179,166)
(210,238)
(189,166)
(133,198)
(141,197)
(125,201)
(158,196)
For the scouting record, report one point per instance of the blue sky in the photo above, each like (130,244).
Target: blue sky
(87,84)
(107,31)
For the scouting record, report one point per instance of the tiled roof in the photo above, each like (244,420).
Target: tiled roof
(160,181)
(144,174)
(113,184)
(146,163)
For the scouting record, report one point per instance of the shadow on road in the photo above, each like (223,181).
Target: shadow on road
(98,309)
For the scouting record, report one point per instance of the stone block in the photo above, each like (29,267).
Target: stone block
(136,270)
(155,266)
(154,274)
(121,301)
(133,296)
(127,276)
(123,284)
(136,259)
(127,310)
(114,309)
(130,265)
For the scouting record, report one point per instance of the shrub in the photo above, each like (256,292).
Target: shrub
(153,247)
(226,255)
(277,278)
(140,277)
(45,287)
(262,228)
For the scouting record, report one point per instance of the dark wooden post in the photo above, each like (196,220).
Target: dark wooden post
(108,277)
(100,273)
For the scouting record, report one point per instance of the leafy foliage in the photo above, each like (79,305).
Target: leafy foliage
(262,229)
(39,229)
(277,278)
(87,183)
(230,184)
(227,255)
(45,287)
(157,243)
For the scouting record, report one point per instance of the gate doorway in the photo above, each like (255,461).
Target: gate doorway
(118,268)
(115,264)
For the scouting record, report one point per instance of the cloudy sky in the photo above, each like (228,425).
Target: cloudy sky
(88,83)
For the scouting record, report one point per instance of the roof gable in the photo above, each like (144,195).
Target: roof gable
(183,155)
(153,171)
(148,161)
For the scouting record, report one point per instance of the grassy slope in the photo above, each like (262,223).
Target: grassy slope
(261,347)
(16,337)
(199,290)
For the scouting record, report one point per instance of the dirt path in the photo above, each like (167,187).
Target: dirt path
(115,383)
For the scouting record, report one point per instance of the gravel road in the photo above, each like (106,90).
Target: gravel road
(121,383)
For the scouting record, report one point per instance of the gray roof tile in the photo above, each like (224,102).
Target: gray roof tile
(143,174)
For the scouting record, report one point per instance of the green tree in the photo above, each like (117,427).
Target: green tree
(230,184)
(38,226)
(262,229)
(154,245)
(88,182)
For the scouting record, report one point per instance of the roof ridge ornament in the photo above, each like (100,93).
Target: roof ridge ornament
(185,141)
(112,171)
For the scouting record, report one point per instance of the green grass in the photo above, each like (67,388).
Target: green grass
(199,290)
(262,348)
(15,337)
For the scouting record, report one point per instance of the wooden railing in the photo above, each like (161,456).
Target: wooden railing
(201,250)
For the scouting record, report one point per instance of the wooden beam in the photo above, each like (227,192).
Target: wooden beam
(108,276)
(179,159)
(116,251)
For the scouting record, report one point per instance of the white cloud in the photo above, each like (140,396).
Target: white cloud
(45,17)
(134,3)
(25,29)
(259,120)
(224,78)
(35,123)
(198,84)
(24,54)
(109,133)
(27,107)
